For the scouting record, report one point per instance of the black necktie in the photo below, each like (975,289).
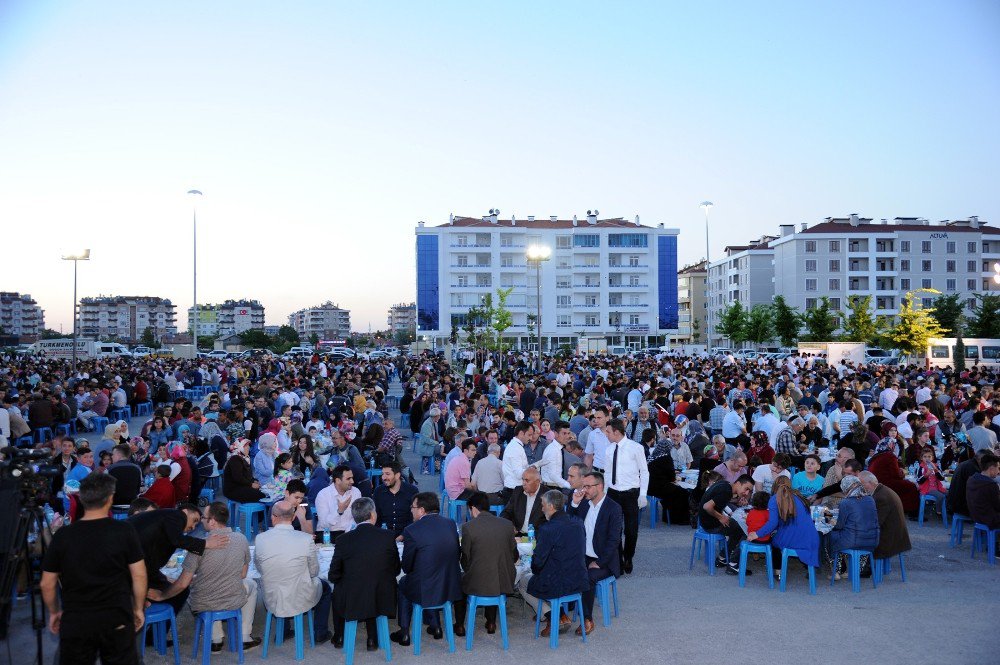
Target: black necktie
(614,466)
(562,471)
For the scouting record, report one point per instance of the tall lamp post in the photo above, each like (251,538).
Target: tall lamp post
(83,255)
(537,254)
(706,206)
(194,261)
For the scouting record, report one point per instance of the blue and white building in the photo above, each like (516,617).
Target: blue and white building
(609,278)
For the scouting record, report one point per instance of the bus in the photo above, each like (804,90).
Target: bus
(979,352)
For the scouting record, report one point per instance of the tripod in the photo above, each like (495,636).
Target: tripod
(18,555)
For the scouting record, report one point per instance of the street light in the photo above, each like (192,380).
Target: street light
(82,255)
(537,254)
(706,206)
(194,261)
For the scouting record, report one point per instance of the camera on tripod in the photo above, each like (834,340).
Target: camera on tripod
(18,461)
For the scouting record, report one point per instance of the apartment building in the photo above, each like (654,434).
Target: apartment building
(20,315)
(328,321)
(692,304)
(229,317)
(126,317)
(403,318)
(744,274)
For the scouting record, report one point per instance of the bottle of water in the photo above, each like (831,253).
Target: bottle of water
(308,475)
(49,514)
(326,536)
(531,535)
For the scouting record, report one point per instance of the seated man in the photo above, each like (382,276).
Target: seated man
(523,507)
(333,504)
(603,523)
(458,473)
(983,492)
(713,516)
(489,557)
(957,498)
(393,499)
(893,534)
(220,578)
(488,474)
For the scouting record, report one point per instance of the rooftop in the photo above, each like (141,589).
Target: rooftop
(553,222)
(857,224)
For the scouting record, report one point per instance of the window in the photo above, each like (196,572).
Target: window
(925,246)
(810,303)
(564,242)
(587,240)
(939,352)
(811,246)
(562,282)
(927,303)
(904,246)
(506,241)
(991,352)
(463,280)
(834,245)
(835,265)
(835,304)
(628,240)
(810,265)
(483,280)
(971,247)
(506,261)
(970,303)
(463,261)
(633,280)
(563,321)
(590,301)
(950,285)
(834,284)
(904,264)
(971,352)
(462,241)
(970,266)
(590,320)
(949,266)
(970,284)
(904,284)
(562,301)
(950,247)
(633,261)
(811,284)
(925,283)
(926,266)
(633,319)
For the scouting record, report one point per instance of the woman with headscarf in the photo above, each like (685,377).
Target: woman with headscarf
(857,524)
(216,442)
(184,480)
(238,483)
(791,522)
(263,461)
(761,447)
(884,463)
(662,483)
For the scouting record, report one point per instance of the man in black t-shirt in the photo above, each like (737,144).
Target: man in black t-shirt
(715,518)
(127,475)
(103,587)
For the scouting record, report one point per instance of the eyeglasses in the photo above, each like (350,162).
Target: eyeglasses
(594,485)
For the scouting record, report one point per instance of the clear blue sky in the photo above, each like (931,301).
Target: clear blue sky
(322,132)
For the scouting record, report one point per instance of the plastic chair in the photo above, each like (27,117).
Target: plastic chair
(883,567)
(712,541)
(234,511)
(43,434)
(555,605)
(924,500)
(760,548)
(985,538)
(203,631)
(123,413)
(500,602)
(958,521)
(99,423)
(416,442)
(607,590)
(785,553)
(351,631)
(67,429)
(496,510)
(375,475)
(404,421)
(279,633)
(453,507)
(144,408)
(417,628)
(158,617)
(207,493)
(246,517)
(854,568)
(654,508)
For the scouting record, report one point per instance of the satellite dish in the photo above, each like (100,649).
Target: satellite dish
(597,212)
(588,213)
(497,211)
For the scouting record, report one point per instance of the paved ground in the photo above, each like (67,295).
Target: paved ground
(945,613)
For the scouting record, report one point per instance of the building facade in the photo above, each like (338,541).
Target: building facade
(328,321)
(692,304)
(402,319)
(745,274)
(232,316)
(606,278)
(20,315)
(126,317)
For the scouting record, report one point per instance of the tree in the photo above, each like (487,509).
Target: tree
(759,325)
(948,311)
(695,330)
(959,365)
(860,325)
(453,337)
(255,339)
(915,326)
(821,322)
(985,316)
(48,333)
(314,339)
(288,334)
(149,338)
(501,318)
(733,323)
(787,321)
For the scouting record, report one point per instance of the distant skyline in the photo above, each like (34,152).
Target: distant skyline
(321,133)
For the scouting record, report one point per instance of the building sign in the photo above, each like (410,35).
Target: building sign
(642,328)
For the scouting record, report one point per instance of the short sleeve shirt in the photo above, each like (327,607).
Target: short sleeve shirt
(218,583)
(721,493)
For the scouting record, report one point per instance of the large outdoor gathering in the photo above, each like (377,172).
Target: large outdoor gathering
(280,381)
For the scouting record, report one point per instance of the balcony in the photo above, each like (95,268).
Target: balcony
(471,266)
(628,286)
(516,267)
(586,267)
(471,246)
(628,266)
(582,306)
(586,286)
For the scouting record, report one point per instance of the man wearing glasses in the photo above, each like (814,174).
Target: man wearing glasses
(602,521)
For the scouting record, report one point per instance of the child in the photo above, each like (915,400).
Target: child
(930,479)
(283,470)
(808,482)
(758,514)
(162,490)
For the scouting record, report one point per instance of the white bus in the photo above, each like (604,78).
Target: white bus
(979,352)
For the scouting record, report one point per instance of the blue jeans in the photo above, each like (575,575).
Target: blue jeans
(321,613)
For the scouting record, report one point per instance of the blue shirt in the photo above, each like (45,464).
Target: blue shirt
(806,487)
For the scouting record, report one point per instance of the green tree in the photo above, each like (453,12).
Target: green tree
(821,322)
(949,311)
(914,326)
(255,339)
(695,330)
(959,365)
(314,339)
(733,323)
(288,334)
(149,338)
(787,321)
(501,319)
(453,337)
(760,325)
(860,325)
(48,333)
(985,320)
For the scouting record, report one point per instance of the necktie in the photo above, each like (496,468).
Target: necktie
(562,470)
(614,466)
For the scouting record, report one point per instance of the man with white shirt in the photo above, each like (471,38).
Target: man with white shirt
(889,396)
(515,461)
(333,503)
(597,441)
(552,463)
(635,397)
(602,522)
(629,480)
(767,422)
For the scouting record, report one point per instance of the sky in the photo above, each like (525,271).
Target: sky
(322,132)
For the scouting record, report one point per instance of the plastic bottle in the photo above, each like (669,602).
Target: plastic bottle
(308,475)
(49,514)
(531,535)
(326,536)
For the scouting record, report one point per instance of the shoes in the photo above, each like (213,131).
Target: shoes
(436,633)
(216,647)
(627,567)
(372,644)
(252,643)
(836,576)
(459,630)
(325,637)
(588,625)
(565,623)
(401,638)
(490,628)
(734,569)
(546,629)
(720,562)
(337,641)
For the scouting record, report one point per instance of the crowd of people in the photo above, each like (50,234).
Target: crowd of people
(565,458)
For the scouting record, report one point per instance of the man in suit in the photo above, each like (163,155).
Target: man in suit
(430,561)
(524,506)
(602,521)
(363,571)
(489,554)
(558,566)
(629,476)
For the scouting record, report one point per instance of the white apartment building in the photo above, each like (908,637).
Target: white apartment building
(745,274)
(20,315)
(403,318)
(231,316)
(692,303)
(852,256)
(126,317)
(328,321)
(608,278)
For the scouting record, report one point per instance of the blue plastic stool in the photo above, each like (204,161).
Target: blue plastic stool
(119,512)
(958,521)
(404,421)
(985,538)
(67,429)
(417,628)
(144,409)
(924,500)
(883,567)
(854,568)
(158,617)
(234,511)
(416,442)
(351,631)
(43,434)
(654,508)
(207,493)
(99,423)
(555,604)
(712,541)
(760,548)
(203,631)
(453,508)
(246,517)
(607,595)
(25,441)
(496,510)
(500,602)
(785,553)
(279,633)
(124,413)
(375,475)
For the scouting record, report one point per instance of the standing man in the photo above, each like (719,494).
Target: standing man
(596,442)
(629,482)
(602,521)
(515,461)
(393,499)
(103,589)
(333,504)
(553,463)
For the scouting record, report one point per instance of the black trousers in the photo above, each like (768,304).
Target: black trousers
(629,501)
(462,606)
(108,634)
(596,575)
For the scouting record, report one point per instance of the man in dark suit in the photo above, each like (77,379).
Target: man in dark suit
(363,572)
(430,561)
(558,566)
(525,502)
(602,521)
(489,554)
